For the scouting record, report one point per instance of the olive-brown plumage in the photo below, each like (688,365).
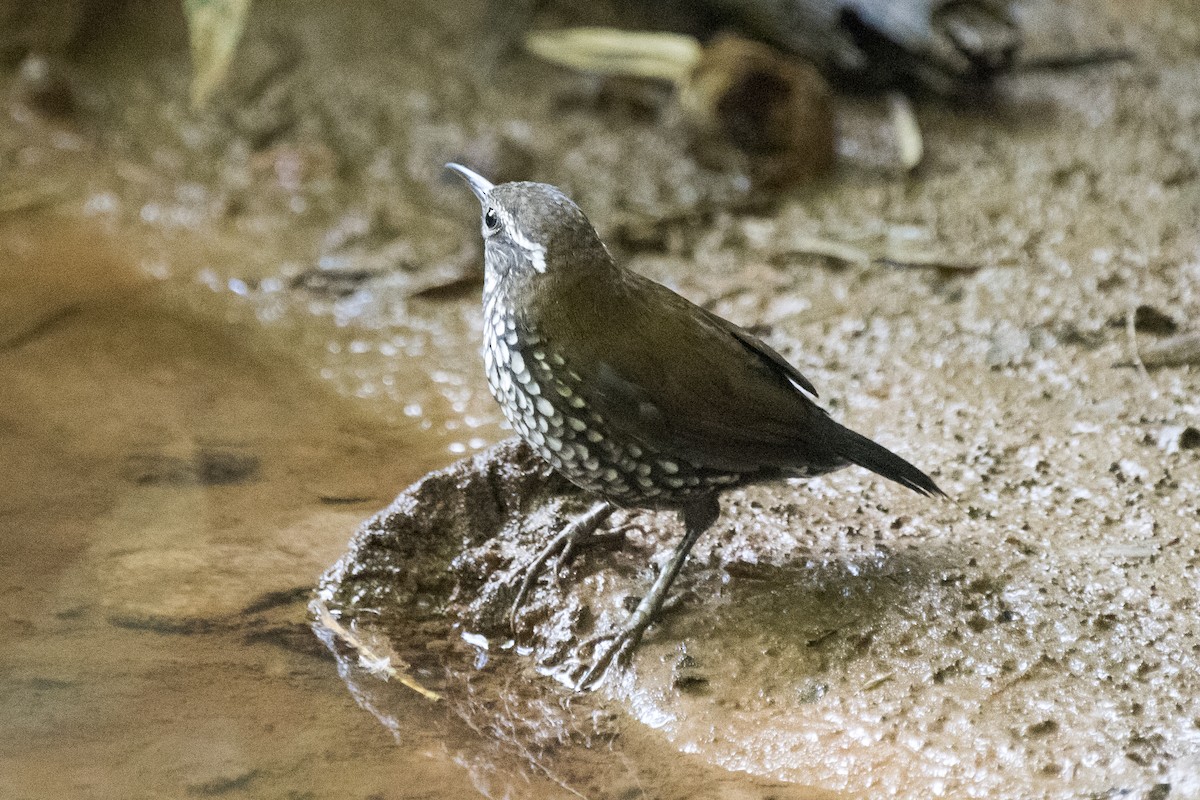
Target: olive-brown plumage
(631,391)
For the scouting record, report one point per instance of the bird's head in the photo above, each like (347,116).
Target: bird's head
(533,229)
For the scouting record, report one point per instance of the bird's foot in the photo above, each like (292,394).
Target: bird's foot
(620,646)
(617,648)
(613,648)
(580,533)
(608,539)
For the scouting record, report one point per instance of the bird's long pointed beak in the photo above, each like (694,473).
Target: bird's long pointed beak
(479,184)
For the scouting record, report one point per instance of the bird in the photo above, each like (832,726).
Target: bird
(635,394)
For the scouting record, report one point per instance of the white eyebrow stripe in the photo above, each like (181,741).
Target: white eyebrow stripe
(537,253)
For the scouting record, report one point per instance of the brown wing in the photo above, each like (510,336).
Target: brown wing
(689,384)
(764,351)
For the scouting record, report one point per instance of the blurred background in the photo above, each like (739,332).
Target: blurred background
(239,312)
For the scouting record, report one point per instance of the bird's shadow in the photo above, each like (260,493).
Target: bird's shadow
(823,616)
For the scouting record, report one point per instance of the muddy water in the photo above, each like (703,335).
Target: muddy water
(170,493)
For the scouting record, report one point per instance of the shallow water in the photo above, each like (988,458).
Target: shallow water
(170,493)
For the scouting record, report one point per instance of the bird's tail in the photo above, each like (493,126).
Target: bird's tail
(860,450)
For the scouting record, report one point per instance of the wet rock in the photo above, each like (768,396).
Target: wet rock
(402,553)
(885,607)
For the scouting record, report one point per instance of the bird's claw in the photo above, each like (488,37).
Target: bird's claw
(621,644)
(619,650)
(577,534)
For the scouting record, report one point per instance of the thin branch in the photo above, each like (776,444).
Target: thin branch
(378,664)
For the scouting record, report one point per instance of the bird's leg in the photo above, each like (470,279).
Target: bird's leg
(697,518)
(566,542)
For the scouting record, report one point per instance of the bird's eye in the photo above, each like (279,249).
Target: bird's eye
(491,221)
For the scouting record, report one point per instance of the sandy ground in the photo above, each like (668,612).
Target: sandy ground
(1034,637)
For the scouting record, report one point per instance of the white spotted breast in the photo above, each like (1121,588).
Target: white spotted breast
(545,402)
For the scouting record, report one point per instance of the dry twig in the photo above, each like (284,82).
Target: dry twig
(385,666)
